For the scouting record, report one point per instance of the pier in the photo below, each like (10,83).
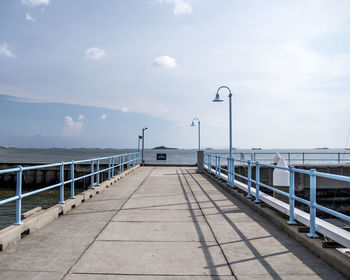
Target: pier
(161,223)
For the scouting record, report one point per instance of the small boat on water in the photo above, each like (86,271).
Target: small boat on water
(256,149)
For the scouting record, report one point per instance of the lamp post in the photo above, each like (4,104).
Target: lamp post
(230,160)
(217,99)
(143,143)
(199,131)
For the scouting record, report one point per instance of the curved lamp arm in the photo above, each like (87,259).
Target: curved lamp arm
(194,120)
(229,95)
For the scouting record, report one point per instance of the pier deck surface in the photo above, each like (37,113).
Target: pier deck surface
(162,223)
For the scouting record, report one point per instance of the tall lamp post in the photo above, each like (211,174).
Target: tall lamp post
(199,131)
(217,99)
(143,143)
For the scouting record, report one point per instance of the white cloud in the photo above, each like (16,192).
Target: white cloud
(165,61)
(103,116)
(95,53)
(181,7)
(35,3)
(29,17)
(71,127)
(124,110)
(4,50)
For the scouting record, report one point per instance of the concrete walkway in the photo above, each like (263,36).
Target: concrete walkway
(161,223)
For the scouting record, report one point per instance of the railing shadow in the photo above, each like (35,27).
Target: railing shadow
(261,221)
(204,246)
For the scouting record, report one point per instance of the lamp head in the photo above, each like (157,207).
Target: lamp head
(217,98)
(192,124)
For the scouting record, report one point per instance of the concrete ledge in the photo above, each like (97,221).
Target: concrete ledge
(25,215)
(332,256)
(39,218)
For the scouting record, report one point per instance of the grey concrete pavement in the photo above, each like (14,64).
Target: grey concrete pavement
(175,225)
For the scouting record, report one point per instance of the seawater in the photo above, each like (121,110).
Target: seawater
(180,156)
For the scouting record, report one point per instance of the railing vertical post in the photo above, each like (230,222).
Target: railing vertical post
(133,160)
(209,163)
(113,166)
(123,158)
(338,158)
(257,182)
(219,163)
(303,158)
(92,174)
(289,158)
(249,195)
(98,172)
(291,195)
(127,161)
(109,167)
(72,192)
(19,194)
(229,171)
(119,163)
(216,166)
(312,232)
(62,183)
(233,172)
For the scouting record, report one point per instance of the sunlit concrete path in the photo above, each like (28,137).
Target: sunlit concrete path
(162,223)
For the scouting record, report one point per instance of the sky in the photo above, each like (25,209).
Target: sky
(89,73)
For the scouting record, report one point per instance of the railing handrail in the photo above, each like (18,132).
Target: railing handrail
(122,160)
(272,153)
(292,156)
(312,202)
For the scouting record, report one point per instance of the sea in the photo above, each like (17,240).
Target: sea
(174,156)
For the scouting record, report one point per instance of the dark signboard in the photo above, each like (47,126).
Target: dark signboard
(161,156)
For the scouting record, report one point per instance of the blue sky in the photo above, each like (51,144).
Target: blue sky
(90,73)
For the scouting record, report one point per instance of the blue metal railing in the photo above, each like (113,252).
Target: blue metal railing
(212,163)
(130,159)
(295,157)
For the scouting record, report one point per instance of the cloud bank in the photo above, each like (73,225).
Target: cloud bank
(71,127)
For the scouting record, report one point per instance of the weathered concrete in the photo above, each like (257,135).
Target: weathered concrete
(29,213)
(162,223)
